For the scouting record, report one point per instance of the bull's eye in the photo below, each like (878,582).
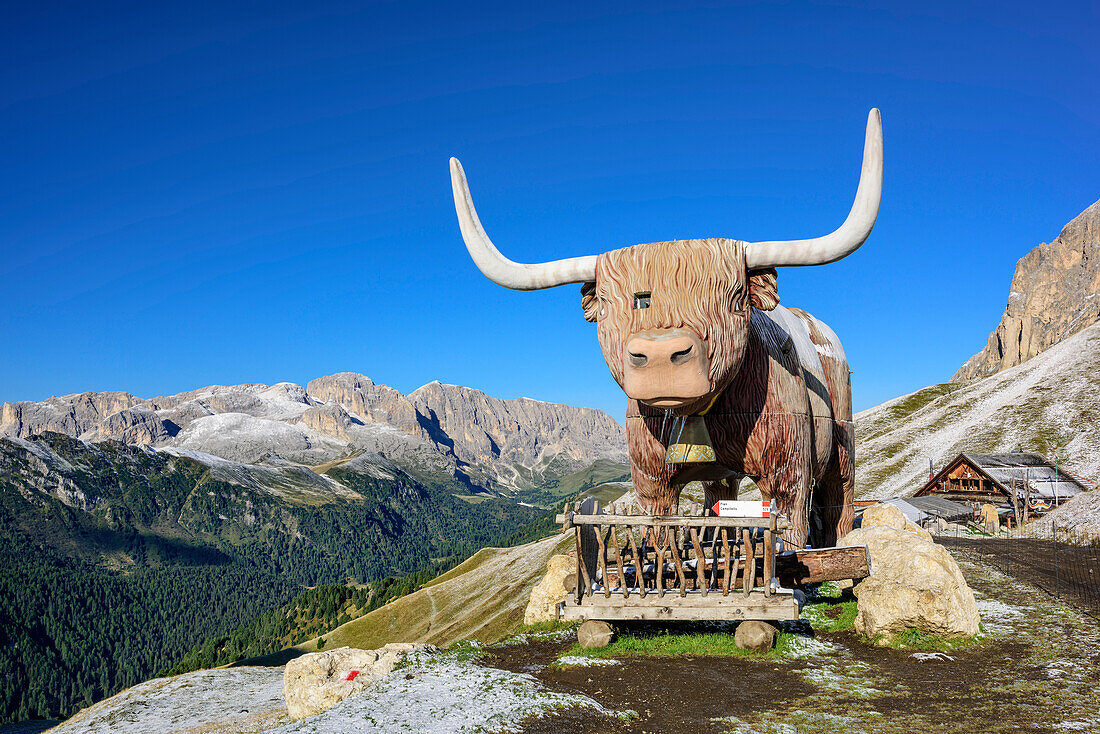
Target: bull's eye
(641,300)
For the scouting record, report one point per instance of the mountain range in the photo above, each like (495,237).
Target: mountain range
(491,446)
(131,530)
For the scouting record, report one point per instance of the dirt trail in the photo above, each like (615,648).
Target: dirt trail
(1033,670)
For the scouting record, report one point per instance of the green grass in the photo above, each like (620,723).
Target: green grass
(666,644)
(831,616)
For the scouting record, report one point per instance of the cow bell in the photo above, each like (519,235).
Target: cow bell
(692,444)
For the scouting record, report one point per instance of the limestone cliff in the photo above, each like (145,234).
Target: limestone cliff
(1055,293)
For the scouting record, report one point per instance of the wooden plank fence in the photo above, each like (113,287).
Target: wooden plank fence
(675,567)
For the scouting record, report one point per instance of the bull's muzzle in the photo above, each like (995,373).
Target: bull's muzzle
(666,368)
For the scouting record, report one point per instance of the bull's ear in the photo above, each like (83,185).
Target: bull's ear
(763,289)
(589,302)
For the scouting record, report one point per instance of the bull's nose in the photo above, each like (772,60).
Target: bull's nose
(657,351)
(666,368)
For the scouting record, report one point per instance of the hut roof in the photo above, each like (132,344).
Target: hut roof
(1034,474)
(1028,470)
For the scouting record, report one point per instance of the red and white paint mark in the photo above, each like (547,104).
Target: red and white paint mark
(742,508)
(352,675)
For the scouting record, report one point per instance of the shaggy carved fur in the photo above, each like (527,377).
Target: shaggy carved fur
(776,419)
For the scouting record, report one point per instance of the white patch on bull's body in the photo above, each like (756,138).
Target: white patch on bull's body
(795,328)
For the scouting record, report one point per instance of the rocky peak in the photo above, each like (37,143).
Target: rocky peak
(370,401)
(493,443)
(478,429)
(1055,293)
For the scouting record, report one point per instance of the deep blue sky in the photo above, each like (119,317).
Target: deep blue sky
(230,192)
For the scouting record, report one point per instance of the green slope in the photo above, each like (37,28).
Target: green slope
(117,559)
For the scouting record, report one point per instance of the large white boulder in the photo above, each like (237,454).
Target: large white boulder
(887,515)
(914,583)
(555,586)
(314,682)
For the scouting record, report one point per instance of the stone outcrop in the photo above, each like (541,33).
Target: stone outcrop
(315,682)
(889,516)
(914,584)
(368,400)
(556,585)
(1055,293)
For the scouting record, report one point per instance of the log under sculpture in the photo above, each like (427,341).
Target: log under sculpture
(722,382)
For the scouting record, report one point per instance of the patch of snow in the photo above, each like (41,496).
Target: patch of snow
(580,661)
(992,610)
(186,701)
(801,647)
(43,452)
(549,636)
(442,696)
(932,657)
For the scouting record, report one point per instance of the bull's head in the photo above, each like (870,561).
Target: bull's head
(673,317)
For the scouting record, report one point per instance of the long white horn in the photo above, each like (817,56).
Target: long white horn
(501,270)
(851,234)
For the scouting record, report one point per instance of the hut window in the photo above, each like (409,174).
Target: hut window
(641,300)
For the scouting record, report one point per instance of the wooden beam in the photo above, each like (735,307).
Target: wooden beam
(694,607)
(772,523)
(825,564)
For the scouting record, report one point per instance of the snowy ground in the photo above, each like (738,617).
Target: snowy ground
(238,700)
(440,696)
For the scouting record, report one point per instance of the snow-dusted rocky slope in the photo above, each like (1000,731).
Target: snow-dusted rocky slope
(438,693)
(1049,404)
(446,429)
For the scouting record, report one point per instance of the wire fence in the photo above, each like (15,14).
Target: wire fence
(1045,559)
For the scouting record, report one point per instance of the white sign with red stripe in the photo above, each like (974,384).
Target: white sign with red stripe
(742,508)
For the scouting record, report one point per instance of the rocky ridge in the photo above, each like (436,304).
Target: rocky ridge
(1055,293)
(1049,404)
(489,443)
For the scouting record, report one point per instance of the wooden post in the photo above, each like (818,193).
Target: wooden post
(700,563)
(603,561)
(586,548)
(677,562)
(726,553)
(750,559)
(639,562)
(619,561)
(659,552)
(713,580)
(580,557)
(769,562)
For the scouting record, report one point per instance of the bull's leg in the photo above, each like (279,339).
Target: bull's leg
(656,495)
(723,490)
(835,494)
(789,486)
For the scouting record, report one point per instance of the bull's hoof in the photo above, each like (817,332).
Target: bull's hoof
(593,634)
(754,635)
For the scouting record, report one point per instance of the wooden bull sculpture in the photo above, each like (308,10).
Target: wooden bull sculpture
(693,332)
